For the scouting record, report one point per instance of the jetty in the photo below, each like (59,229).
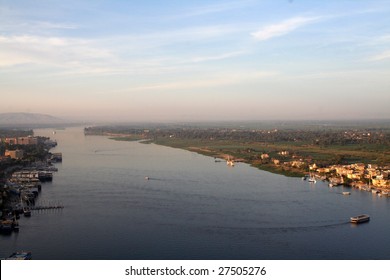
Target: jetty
(47,207)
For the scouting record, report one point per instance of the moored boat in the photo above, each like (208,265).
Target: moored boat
(230,162)
(20,256)
(346,193)
(312,180)
(6,226)
(360,219)
(27,212)
(384,194)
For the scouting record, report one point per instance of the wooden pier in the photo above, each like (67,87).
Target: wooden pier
(46,207)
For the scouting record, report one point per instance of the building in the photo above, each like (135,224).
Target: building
(355,175)
(380,183)
(17,154)
(29,140)
(324,170)
(264,156)
(11,141)
(284,153)
(313,166)
(297,163)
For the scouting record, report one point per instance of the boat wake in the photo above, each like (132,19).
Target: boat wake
(281,229)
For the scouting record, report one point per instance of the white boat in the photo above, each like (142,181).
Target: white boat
(311,179)
(346,193)
(230,162)
(330,185)
(360,219)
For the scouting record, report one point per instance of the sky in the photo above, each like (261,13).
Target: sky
(196,60)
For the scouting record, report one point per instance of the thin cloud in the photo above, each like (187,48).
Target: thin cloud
(382,56)
(35,27)
(282,28)
(51,25)
(216,57)
(8,59)
(228,79)
(212,9)
(55,51)
(189,34)
(28,41)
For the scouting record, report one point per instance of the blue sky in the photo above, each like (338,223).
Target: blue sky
(196,60)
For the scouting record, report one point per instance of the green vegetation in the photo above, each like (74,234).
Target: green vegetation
(262,148)
(133,137)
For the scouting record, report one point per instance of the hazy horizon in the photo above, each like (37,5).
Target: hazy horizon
(196,61)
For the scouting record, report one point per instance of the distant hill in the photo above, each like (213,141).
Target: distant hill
(12,119)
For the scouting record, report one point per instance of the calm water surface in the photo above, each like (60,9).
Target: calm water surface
(190,208)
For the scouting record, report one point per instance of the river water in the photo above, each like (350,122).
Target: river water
(190,208)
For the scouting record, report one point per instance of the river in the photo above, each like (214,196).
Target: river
(190,208)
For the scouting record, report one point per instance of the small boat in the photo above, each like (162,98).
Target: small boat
(360,219)
(146,178)
(230,162)
(20,256)
(27,212)
(374,191)
(330,185)
(6,226)
(311,178)
(346,193)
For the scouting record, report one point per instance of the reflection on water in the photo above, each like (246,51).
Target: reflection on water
(190,208)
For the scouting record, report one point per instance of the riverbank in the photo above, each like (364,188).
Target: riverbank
(236,157)
(223,152)
(358,156)
(282,161)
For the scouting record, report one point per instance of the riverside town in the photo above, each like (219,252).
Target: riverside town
(25,165)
